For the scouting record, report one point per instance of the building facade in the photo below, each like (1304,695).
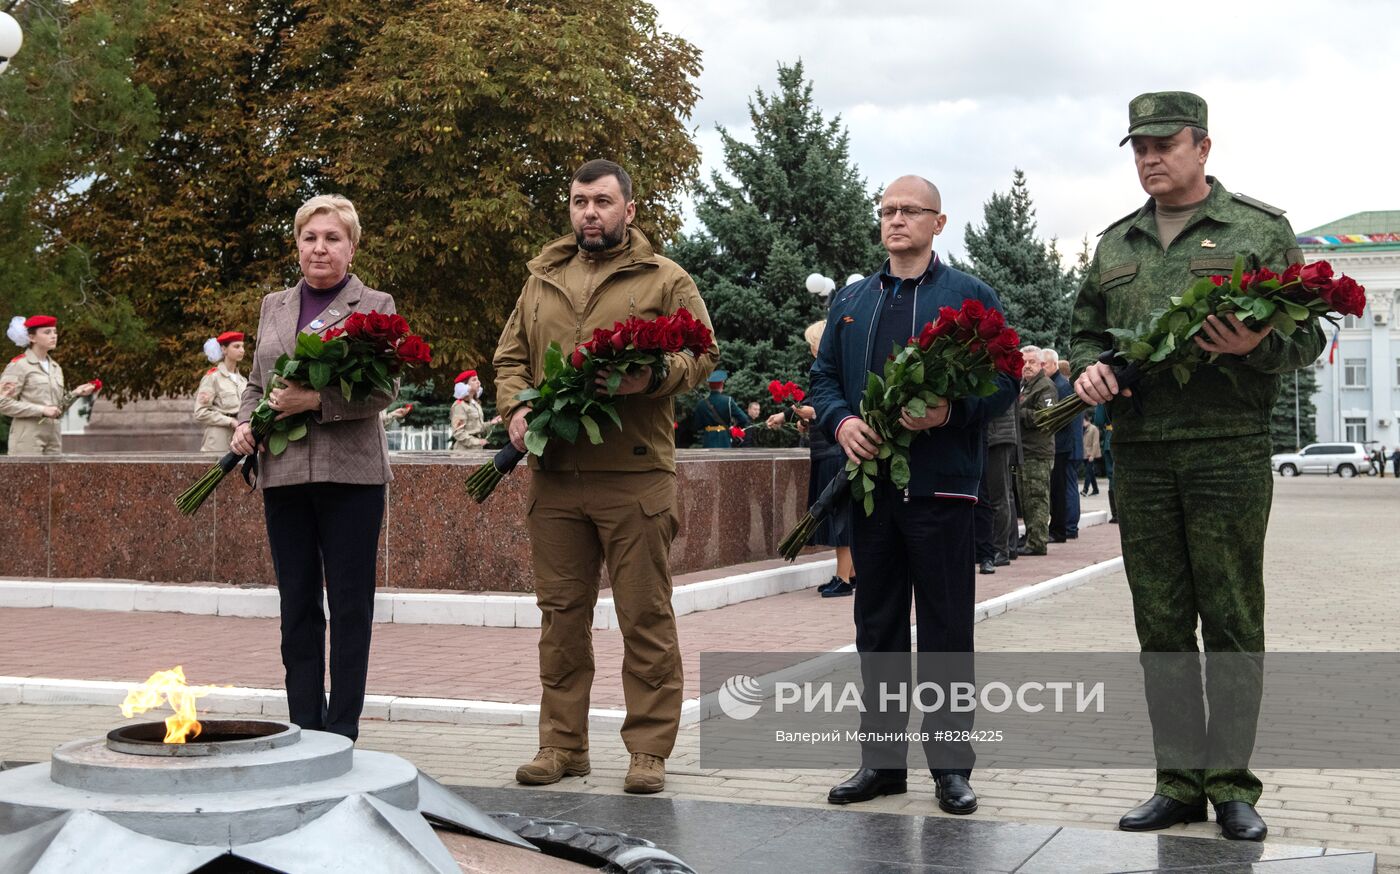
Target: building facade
(1358,375)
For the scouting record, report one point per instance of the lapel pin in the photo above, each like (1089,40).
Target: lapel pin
(336,313)
(316,324)
(1207,244)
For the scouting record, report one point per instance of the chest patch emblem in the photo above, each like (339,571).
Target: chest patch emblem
(1207,244)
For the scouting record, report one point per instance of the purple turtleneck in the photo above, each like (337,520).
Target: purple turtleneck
(315,300)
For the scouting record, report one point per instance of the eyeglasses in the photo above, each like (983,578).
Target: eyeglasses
(909,212)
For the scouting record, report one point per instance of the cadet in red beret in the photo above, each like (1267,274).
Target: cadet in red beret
(220,391)
(469,423)
(31,388)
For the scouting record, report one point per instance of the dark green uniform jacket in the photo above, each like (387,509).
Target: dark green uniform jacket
(1131,276)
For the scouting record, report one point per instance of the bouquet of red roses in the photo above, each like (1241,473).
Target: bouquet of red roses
(568,400)
(363,357)
(956,356)
(1261,297)
(784,392)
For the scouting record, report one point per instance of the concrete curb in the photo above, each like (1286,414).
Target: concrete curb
(462,711)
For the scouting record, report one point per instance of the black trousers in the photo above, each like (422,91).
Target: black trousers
(325,535)
(920,549)
(1059,497)
(985,520)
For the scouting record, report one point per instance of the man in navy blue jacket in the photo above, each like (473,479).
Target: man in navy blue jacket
(918,542)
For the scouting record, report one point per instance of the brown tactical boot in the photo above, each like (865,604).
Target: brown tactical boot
(645,775)
(551,763)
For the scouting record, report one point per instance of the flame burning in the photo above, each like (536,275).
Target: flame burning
(169,685)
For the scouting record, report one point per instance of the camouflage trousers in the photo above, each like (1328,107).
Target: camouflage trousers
(1192,517)
(1033,486)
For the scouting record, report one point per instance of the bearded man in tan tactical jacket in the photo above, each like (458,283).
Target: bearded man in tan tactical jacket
(614,502)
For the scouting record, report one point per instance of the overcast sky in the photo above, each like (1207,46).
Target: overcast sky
(1302,95)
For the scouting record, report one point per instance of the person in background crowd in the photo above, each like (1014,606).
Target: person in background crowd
(1395,463)
(1003,459)
(716,414)
(1104,423)
(220,392)
(1092,453)
(828,461)
(1069,446)
(469,425)
(1037,453)
(31,388)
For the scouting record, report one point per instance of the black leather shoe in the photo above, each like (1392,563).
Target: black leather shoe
(1239,821)
(1026,550)
(865,784)
(955,795)
(1054,539)
(986,567)
(1159,811)
(1001,560)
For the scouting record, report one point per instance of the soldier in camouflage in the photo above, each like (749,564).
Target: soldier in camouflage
(1037,452)
(1192,475)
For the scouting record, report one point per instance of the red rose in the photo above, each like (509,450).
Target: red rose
(96,384)
(332,333)
(736,432)
(1264,274)
(1012,363)
(1290,273)
(775,389)
(1218,281)
(1006,341)
(355,326)
(618,340)
(991,325)
(578,358)
(412,350)
(1316,276)
(926,337)
(971,313)
(1345,297)
(796,393)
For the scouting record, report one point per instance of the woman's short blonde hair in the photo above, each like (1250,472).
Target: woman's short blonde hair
(338,206)
(813,334)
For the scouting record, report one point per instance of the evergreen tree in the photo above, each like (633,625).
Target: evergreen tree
(1025,272)
(1294,425)
(789,204)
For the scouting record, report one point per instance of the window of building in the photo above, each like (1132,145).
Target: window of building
(1356,430)
(1354,372)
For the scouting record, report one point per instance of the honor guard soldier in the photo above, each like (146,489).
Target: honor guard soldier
(716,414)
(220,391)
(1191,463)
(31,388)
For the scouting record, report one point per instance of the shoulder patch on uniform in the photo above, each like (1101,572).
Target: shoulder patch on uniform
(1257,204)
(210,370)
(18,357)
(1119,221)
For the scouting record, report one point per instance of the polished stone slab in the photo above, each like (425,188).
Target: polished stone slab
(716,836)
(113,517)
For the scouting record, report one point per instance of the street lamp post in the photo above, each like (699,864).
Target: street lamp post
(821,286)
(11,37)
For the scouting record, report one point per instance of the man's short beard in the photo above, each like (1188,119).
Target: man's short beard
(611,237)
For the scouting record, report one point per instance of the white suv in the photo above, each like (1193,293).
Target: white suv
(1343,459)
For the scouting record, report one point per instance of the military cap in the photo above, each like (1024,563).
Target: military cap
(718,376)
(1163,113)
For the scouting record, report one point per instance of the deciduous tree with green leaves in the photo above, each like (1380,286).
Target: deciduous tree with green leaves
(1004,252)
(453,125)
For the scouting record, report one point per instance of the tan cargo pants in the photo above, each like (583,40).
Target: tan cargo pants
(628,520)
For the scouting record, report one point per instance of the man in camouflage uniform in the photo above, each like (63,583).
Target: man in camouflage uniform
(1192,459)
(1037,452)
(220,392)
(31,389)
